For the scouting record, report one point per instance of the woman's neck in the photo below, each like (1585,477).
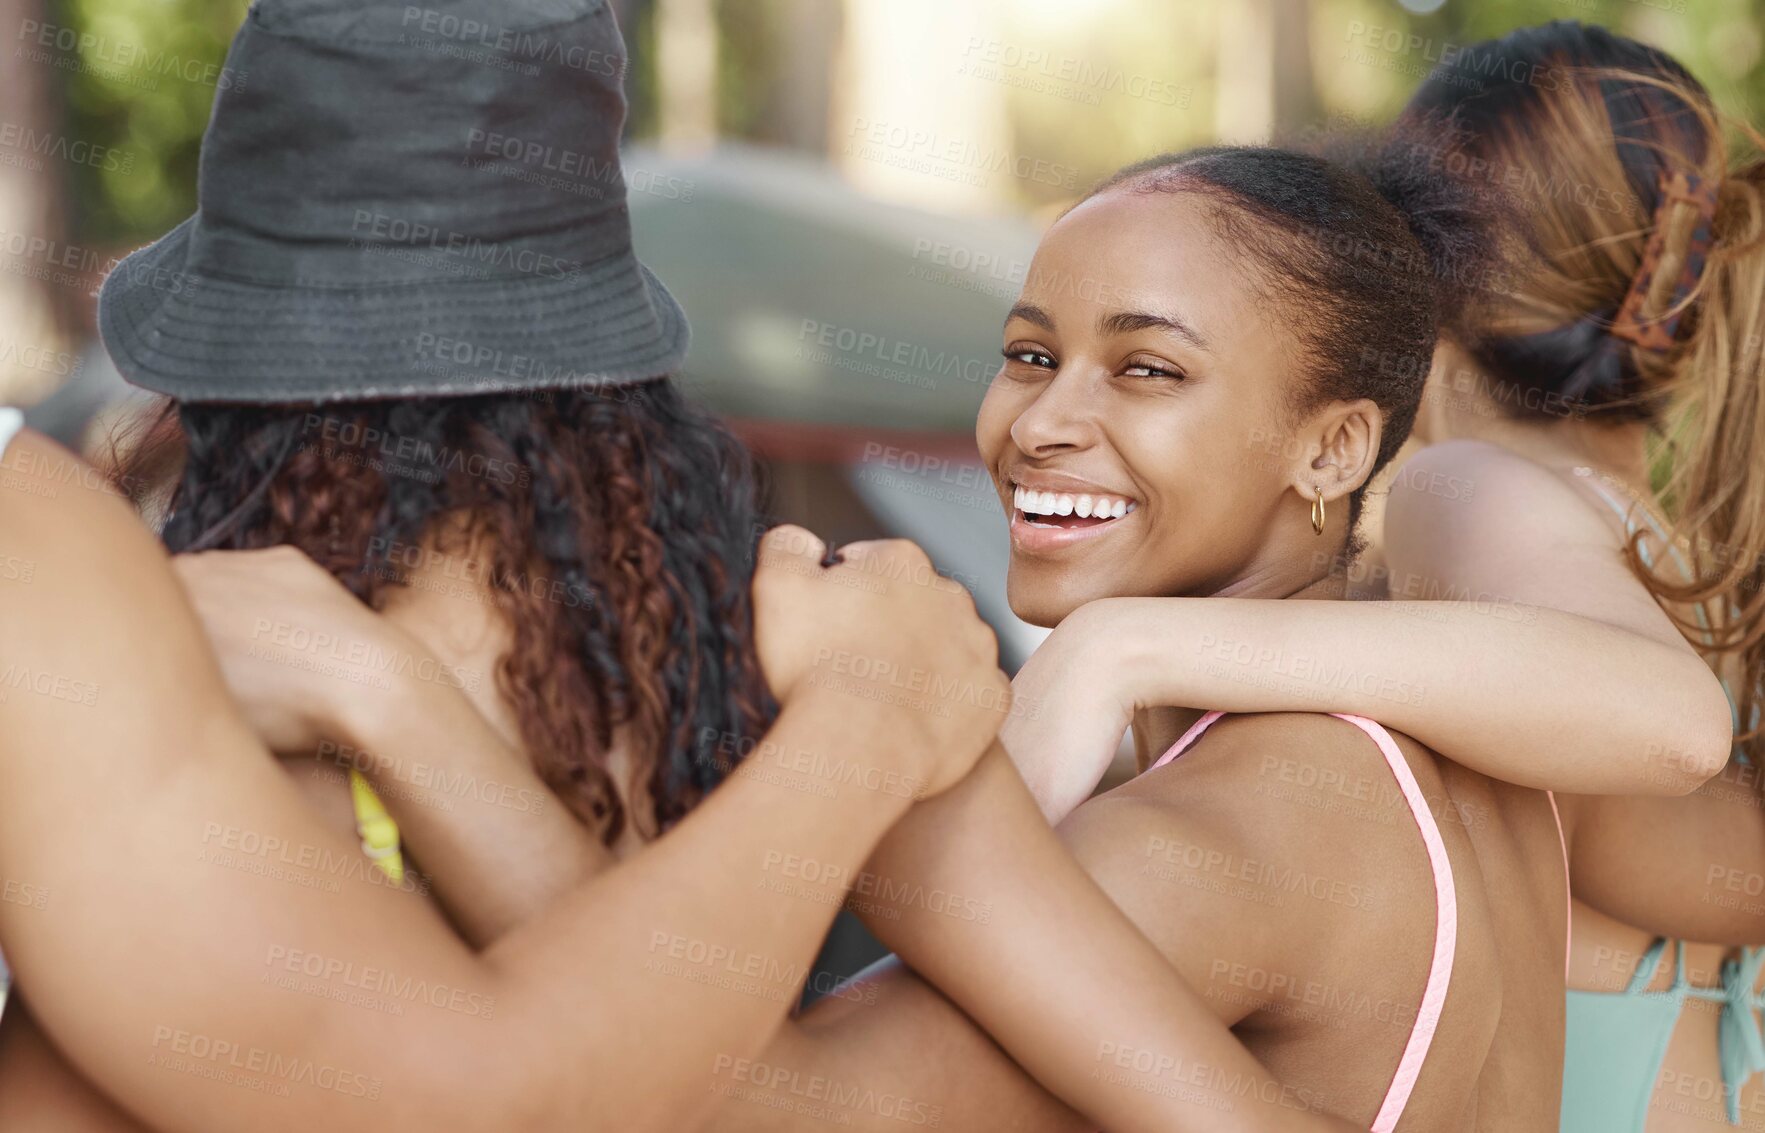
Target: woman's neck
(1464,407)
(1156,729)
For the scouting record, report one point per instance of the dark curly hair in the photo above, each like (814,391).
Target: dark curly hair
(620,531)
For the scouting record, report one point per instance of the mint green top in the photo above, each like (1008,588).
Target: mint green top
(1613,1045)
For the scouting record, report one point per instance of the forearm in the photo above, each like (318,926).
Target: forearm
(703,940)
(496,848)
(884,1050)
(1054,971)
(1526,694)
(681,949)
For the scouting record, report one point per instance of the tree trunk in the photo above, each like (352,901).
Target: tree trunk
(35,316)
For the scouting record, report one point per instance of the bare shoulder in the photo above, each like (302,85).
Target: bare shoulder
(1469,521)
(98,631)
(1473,490)
(85,559)
(57,504)
(1288,819)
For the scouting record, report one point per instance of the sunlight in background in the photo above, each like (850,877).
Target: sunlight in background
(1059,15)
(910,122)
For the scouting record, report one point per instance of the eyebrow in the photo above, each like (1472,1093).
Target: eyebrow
(1120,322)
(1031,313)
(1126,322)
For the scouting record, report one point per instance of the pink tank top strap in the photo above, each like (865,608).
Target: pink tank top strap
(1446,910)
(1187,738)
(1569,897)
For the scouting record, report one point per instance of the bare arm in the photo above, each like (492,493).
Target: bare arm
(1532,653)
(494,843)
(1708,888)
(494,856)
(972,892)
(974,889)
(1063,979)
(185,872)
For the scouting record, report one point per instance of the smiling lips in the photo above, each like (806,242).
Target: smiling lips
(1045,520)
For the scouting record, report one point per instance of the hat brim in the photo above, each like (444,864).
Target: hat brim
(207,338)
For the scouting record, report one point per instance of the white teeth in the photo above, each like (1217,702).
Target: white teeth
(1032,502)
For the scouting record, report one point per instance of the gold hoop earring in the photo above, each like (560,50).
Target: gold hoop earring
(1317,513)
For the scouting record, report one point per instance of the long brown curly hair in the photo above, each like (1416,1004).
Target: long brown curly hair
(616,532)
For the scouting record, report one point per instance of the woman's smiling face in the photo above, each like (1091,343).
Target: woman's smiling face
(1146,370)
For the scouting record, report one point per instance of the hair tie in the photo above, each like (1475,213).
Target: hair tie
(1658,334)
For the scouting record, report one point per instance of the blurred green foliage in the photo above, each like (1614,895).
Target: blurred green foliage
(141,79)
(144,78)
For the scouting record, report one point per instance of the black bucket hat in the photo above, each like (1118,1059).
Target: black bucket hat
(402,200)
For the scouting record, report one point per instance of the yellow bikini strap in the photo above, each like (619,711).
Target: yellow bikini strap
(379,833)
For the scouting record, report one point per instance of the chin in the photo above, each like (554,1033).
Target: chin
(1042,601)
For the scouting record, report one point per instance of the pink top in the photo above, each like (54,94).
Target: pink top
(1446,911)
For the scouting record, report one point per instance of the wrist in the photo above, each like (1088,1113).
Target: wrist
(1110,642)
(844,747)
(372,716)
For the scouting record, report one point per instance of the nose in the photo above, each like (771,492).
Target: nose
(1060,419)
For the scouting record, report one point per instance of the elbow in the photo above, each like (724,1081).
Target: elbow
(1701,740)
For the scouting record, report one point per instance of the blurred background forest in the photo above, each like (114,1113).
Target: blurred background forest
(1079,86)
(1087,84)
